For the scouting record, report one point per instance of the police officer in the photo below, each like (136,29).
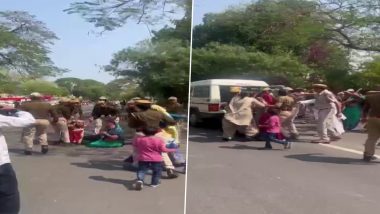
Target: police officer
(371,116)
(324,103)
(287,107)
(173,106)
(42,112)
(64,113)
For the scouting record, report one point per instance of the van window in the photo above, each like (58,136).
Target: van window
(201,91)
(226,95)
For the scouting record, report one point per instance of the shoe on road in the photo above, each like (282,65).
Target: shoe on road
(171,173)
(288,145)
(44,149)
(369,158)
(139,185)
(27,152)
(321,141)
(227,138)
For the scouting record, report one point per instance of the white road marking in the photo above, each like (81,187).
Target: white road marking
(345,149)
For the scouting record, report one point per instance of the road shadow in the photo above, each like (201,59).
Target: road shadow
(35,153)
(247,147)
(128,184)
(108,165)
(320,158)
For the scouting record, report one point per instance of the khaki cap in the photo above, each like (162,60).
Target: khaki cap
(235,89)
(64,100)
(142,101)
(320,86)
(35,94)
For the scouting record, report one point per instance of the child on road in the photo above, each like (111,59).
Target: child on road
(273,130)
(149,149)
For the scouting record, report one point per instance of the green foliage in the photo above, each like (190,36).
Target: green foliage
(24,45)
(225,61)
(89,89)
(122,88)
(161,68)
(41,86)
(370,76)
(295,41)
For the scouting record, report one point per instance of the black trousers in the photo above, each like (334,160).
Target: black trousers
(9,195)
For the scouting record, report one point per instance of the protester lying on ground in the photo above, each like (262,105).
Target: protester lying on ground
(149,149)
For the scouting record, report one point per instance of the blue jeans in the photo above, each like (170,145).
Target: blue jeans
(9,195)
(271,137)
(156,167)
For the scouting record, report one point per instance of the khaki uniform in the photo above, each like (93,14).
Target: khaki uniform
(324,102)
(174,108)
(373,125)
(288,113)
(239,117)
(63,112)
(42,112)
(152,118)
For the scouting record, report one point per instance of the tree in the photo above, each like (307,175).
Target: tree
(161,68)
(41,86)
(115,13)
(234,61)
(89,89)
(354,24)
(24,45)
(123,88)
(299,40)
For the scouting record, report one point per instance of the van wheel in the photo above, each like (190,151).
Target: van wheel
(194,119)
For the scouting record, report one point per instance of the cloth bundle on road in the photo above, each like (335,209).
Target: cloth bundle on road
(104,144)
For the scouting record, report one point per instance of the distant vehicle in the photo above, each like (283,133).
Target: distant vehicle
(209,97)
(276,88)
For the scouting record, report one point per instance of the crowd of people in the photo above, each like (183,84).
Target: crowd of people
(269,117)
(155,141)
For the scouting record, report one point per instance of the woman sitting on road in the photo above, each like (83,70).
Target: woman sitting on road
(112,133)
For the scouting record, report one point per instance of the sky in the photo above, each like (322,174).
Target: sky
(81,51)
(202,7)
(78,50)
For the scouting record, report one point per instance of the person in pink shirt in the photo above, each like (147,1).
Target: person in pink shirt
(273,130)
(149,149)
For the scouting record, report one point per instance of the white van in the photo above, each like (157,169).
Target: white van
(208,97)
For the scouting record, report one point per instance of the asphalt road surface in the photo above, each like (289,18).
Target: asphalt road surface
(71,180)
(238,177)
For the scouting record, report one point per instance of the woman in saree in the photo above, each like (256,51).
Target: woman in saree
(352,103)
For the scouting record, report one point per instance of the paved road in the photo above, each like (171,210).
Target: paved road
(238,177)
(89,181)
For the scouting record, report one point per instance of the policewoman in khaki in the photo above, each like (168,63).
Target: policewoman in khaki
(371,115)
(239,115)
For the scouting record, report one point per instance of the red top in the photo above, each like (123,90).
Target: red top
(269,99)
(149,148)
(262,121)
